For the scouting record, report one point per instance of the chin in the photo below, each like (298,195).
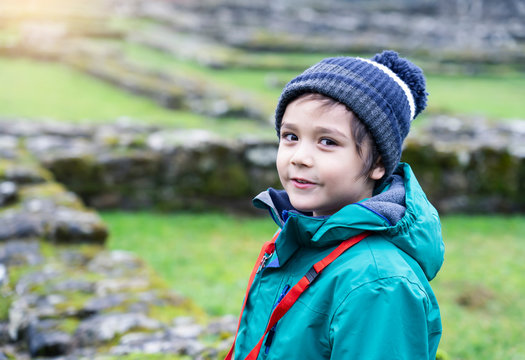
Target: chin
(303,208)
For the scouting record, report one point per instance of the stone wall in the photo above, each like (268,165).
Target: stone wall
(63,295)
(463,164)
(469,165)
(471,30)
(130,167)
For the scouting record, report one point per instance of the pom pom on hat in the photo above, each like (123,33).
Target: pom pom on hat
(386,93)
(409,73)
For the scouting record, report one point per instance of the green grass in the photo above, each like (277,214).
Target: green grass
(47,90)
(483,270)
(480,289)
(37,90)
(205,257)
(253,81)
(495,96)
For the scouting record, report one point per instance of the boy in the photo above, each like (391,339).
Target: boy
(347,276)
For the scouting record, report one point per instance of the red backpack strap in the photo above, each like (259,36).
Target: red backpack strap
(291,297)
(266,251)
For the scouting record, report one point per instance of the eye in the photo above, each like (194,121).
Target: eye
(289,137)
(328,142)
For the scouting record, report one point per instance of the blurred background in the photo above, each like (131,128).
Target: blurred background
(134,133)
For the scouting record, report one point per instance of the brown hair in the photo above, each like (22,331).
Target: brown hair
(364,143)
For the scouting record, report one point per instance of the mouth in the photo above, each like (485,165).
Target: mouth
(302,183)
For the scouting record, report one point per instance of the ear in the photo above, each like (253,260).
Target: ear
(378,171)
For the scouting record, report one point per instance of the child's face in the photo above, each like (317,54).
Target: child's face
(317,161)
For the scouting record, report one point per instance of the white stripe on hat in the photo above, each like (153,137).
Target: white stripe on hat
(400,82)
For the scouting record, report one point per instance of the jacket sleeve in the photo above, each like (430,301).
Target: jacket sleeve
(383,319)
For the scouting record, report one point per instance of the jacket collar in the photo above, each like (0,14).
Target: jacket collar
(412,224)
(303,230)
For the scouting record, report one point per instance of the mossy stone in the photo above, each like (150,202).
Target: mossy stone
(430,167)
(494,171)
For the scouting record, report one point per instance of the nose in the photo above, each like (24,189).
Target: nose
(303,155)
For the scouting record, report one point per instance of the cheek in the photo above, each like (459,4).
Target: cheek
(280,161)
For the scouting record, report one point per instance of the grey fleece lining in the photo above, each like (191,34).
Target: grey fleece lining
(389,204)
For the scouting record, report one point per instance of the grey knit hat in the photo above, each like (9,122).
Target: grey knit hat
(386,93)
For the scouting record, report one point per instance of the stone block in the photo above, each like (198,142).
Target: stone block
(45,341)
(8,192)
(100,329)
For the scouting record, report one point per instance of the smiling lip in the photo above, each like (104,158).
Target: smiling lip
(302,183)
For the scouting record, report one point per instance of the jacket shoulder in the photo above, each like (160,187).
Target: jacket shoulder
(374,261)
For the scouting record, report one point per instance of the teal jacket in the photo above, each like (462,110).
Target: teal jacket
(373,302)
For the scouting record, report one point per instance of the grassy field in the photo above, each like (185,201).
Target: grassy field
(480,288)
(212,250)
(46,90)
(37,90)
(52,90)
(499,96)
(495,96)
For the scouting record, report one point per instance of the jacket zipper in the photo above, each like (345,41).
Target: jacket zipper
(262,264)
(271,333)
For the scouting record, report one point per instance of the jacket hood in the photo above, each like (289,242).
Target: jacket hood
(400,212)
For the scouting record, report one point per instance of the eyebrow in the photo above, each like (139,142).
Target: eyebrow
(318,129)
(330,131)
(288,126)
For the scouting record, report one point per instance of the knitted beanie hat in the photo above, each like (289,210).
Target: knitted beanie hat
(386,93)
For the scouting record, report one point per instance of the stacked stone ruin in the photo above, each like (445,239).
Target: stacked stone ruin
(465,165)
(473,30)
(63,294)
